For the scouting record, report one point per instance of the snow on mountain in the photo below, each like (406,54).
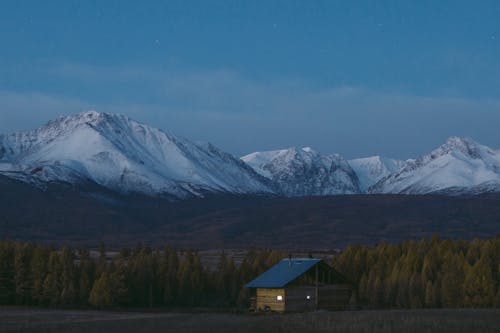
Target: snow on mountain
(372,169)
(459,166)
(121,154)
(298,172)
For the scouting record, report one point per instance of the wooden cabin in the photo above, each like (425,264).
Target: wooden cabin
(300,284)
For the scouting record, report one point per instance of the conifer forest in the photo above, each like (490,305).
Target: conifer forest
(430,273)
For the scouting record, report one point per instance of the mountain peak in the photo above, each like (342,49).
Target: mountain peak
(90,114)
(374,168)
(463,145)
(459,165)
(459,141)
(82,117)
(90,117)
(69,123)
(119,153)
(303,171)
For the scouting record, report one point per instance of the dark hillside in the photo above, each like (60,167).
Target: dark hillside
(90,214)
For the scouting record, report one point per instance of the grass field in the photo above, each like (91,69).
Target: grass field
(407,321)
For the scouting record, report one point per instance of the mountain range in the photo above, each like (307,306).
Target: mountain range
(125,156)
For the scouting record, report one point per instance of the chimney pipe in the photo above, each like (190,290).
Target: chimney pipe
(289,260)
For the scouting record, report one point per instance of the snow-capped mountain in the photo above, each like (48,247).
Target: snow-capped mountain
(458,166)
(124,155)
(372,169)
(298,172)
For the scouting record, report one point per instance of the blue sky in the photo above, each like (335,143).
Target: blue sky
(354,77)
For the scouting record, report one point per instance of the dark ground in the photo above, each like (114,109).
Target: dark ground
(407,321)
(85,216)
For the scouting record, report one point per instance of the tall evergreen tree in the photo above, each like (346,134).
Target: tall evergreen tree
(479,287)
(68,290)
(430,295)
(452,280)
(52,283)
(39,271)
(171,284)
(101,294)
(7,273)
(22,272)
(119,283)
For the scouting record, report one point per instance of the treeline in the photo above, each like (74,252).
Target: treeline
(42,275)
(431,273)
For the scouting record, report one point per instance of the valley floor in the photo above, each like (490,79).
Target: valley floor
(14,319)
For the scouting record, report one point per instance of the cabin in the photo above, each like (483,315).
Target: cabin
(298,285)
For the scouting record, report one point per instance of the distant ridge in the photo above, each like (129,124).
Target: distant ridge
(121,154)
(125,156)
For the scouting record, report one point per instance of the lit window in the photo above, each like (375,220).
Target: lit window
(308,297)
(279,298)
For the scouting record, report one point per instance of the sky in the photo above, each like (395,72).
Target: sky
(359,78)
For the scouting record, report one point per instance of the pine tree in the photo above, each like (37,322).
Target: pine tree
(101,293)
(391,285)
(184,279)
(228,280)
(430,295)
(171,284)
(233,283)
(22,268)
(402,298)
(429,267)
(496,301)
(39,269)
(416,292)
(363,288)
(479,286)
(197,281)
(451,280)
(474,251)
(7,273)
(68,292)
(158,280)
(243,297)
(52,283)
(86,270)
(118,282)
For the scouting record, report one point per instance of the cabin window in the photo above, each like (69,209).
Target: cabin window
(279,298)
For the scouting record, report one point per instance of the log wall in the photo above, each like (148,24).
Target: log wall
(267,299)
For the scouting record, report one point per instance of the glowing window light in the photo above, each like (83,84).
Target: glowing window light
(279,298)
(308,297)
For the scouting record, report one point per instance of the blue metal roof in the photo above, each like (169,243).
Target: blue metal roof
(283,273)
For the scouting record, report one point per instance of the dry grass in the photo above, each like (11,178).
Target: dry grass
(56,321)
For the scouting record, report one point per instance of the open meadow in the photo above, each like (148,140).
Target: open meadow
(14,319)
